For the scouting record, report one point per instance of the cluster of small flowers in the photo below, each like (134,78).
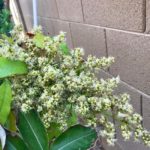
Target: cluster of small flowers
(58,84)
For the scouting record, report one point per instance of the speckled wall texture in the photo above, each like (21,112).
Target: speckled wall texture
(119,28)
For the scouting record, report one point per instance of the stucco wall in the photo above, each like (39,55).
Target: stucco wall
(119,28)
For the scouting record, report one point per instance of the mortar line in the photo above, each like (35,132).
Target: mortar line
(102,27)
(130,86)
(141,104)
(71,35)
(105,36)
(82,11)
(57,9)
(145,16)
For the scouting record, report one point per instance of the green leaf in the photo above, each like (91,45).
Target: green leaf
(39,40)
(5,101)
(10,40)
(64,48)
(33,131)
(15,143)
(73,119)
(75,138)
(54,131)
(11,67)
(11,122)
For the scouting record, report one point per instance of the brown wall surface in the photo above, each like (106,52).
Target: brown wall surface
(118,28)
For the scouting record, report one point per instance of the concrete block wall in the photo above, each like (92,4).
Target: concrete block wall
(119,28)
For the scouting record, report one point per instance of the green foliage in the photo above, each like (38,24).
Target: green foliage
(73,119)
(64,48)
(32,130)
(5,23)
(76,137)
(15,143)
(57,86)
(53,131)
(5,101)
(10,124)
(1,4)
(38,40)
(11,67)
(35,137)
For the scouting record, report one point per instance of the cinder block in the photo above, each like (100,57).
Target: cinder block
(146,122)
(63,26)
(103,74)
(117,146)
(132,58)
(126,145)
(27,12)
(91,38)
(146,106)
(53,27)
(146,112)
(147,16)
(29,23)
(134,95)
(70,10)
(131,145)
(125,88)
(135,101)
(121,14)
(47,26)
(47,8)
(26,7)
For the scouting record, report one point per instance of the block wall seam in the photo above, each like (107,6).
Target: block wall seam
(145,15)
(71,35)
(147,31)
(141,100)
(137,90)
(107,28)
(142,93)
(130,86)
(106,42)
(70,10)
(57,10)
(82,11)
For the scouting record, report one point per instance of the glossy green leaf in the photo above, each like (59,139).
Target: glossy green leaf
(11,122)
(64,48)
(33,131)
(15,143)
(75,138)
(54,131)
(11,67)
(5,101)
